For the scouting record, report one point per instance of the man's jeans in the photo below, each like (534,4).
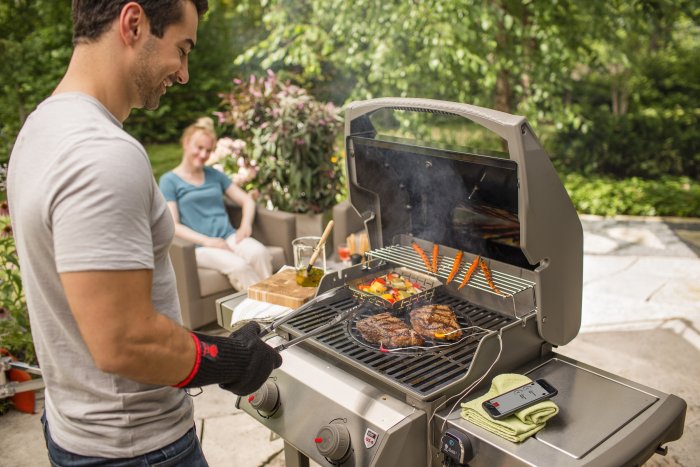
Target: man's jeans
(186,451)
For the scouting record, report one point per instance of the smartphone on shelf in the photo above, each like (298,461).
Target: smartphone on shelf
(516,399)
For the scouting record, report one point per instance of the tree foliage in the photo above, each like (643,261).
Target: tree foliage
(586,74)
(611,87)
(35,46)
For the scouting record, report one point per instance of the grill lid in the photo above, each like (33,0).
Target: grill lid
(508,206)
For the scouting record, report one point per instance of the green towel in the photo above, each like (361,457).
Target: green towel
(517,427)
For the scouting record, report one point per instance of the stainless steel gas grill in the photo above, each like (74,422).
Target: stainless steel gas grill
(344,398)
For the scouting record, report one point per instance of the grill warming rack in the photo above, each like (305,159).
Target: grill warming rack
(518,296)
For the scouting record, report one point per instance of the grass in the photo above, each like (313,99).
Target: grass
(163,157)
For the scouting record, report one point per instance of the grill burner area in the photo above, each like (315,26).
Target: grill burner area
(422,374)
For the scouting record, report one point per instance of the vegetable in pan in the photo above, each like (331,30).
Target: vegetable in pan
(392,287)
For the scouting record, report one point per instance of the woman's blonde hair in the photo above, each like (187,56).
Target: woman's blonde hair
(205,124)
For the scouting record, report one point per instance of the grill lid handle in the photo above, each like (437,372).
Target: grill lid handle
(500,123)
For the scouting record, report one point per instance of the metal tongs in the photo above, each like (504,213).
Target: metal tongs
(343,316)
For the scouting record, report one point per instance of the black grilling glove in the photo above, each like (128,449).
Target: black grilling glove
(240,363)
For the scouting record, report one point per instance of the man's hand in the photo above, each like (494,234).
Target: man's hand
(240,363)
(262,359)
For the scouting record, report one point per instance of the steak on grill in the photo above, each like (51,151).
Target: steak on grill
(436,321)
(388,330)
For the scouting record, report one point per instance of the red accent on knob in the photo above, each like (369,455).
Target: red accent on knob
(318,440)
(251,398)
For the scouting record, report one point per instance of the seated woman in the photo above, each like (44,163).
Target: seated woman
(194,192)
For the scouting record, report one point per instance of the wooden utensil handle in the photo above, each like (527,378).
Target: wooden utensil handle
(321,242)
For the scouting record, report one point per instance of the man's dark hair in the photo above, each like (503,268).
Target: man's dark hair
(91,18)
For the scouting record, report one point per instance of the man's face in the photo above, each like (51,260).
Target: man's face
(162,62)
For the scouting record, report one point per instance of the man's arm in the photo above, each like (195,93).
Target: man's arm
(124,333)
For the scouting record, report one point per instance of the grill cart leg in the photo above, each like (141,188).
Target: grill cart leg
(294,458)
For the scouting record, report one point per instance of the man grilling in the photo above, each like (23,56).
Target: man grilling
(93,234)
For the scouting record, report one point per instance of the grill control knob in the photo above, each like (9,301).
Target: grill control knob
(333,441)
(266,398)
(456,447)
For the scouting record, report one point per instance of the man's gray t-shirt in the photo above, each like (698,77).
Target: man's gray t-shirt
(83,197)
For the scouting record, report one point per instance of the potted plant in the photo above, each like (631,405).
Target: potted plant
(15,333)
(290,140)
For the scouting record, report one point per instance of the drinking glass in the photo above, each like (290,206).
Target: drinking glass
(303,250)
(344,252)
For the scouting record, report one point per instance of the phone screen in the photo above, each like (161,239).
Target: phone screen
(518,398)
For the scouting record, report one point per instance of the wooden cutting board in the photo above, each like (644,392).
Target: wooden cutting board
(282,289)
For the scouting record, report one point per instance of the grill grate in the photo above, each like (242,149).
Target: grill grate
(422,375)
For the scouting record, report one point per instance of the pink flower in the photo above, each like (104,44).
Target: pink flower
(243,176)
(238,145)
(221,116)
(4,209)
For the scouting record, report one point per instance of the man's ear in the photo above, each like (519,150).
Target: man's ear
(132,23)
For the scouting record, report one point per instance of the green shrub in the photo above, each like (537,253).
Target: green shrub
(15,333)
(647,145)
(634,196)
(656,134)
(293,139)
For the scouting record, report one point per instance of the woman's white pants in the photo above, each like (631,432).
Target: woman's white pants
(247,263)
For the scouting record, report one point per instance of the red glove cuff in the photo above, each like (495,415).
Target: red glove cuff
(197,362)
